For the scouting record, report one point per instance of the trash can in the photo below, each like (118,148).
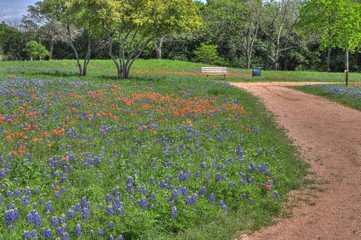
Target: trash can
(256,71)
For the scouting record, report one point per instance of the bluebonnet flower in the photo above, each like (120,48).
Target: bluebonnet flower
(9,193)
(77,230)
(71,213)
(11,216)
(218,177)
(175,195)
(110,225)
(130,187)
(203,191)
(25,200)
(100,232)
(275,194)
(231,184)
(62,219)
(129,180)
(57,195)
(61,231)
(173,212)
(108,198)
(86,213)
(203,165)
(48,207)
(28,191)
(109,210)
(34,218)
(84,202)
(1,199)
(30,235)
(223,205)
(211,198)
(143,203)
(191,200)
(54,221)
(152,197)
(152,181)
(47,233)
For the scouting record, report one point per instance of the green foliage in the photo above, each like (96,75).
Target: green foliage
(337,22)
(207,53)
(35,50)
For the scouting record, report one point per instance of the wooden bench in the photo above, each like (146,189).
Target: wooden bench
(215,71)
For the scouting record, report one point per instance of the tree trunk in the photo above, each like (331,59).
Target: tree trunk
(328,60)
(158,44)
(347,65)
(51,48)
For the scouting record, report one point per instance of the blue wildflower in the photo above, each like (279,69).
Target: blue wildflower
(173,212)
(11,216)
(275,194)
(211,198)
(110,225)
(47,233)
(143,203)
(77,230)
(34,218)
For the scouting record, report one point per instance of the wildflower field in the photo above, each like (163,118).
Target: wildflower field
(349,96)
(153,157)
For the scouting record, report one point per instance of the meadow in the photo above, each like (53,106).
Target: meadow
(166,154)
(349,96)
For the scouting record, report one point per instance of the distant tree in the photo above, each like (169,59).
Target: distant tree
(12,41)
(207,53)
(235,24)
(95,18)
(35,50)
(278,34)
(139,22)
(337,22)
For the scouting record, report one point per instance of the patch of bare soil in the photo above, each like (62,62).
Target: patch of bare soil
(329,137)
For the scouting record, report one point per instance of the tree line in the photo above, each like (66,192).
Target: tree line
(321,35)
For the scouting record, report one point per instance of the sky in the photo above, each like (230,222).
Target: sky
(14,9)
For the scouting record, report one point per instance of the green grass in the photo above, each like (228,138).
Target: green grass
(347,96)
(100,69)
(134,151)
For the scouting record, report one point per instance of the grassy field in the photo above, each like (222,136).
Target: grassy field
(349,96)
(166,154)
(100,69)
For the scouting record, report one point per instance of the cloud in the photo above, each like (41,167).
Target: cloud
(8,13)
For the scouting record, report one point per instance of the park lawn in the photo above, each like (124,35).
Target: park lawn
(100,69)
(157,156)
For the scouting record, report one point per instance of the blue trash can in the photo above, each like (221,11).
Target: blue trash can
(256,71)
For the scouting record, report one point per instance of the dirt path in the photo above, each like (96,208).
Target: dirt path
(329,137)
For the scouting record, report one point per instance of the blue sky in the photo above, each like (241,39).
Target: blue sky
(14,9)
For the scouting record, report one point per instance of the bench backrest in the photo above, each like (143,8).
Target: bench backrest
(214,70)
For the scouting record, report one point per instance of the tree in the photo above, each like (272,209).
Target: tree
(139,22)
(278,31)
(95,17)
(337,22)
(12,41)
(207,53)
(35,50)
